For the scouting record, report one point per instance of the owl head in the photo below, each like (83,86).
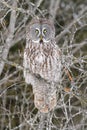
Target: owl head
(40,31)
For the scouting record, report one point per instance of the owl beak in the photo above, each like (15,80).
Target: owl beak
(41,39)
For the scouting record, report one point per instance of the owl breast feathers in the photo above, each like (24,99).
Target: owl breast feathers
(42,57)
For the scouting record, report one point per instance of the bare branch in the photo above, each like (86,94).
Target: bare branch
(10,36)
(54,5)
(66,30)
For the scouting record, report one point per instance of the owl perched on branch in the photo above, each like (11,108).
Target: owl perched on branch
(42,64)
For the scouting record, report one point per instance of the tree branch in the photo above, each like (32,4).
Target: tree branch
(54,5)
(9,43)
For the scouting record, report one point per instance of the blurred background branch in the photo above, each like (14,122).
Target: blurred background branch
(8,42)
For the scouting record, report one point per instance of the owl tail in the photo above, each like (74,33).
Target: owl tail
(45,102)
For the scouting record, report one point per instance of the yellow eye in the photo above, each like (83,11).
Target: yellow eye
(37,31)
(44,31)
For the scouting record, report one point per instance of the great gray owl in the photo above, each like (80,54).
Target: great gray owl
(42,64)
